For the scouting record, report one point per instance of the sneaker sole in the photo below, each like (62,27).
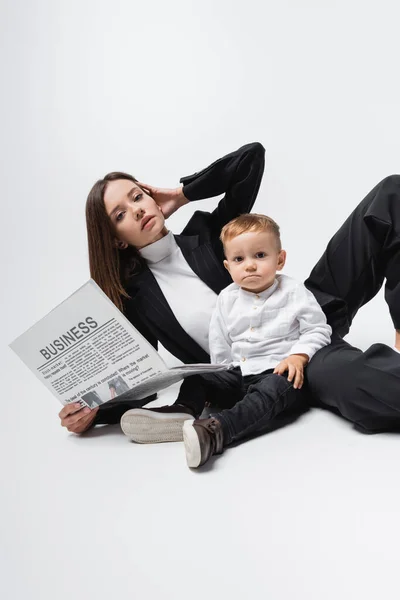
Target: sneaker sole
(192,445)
(144,427)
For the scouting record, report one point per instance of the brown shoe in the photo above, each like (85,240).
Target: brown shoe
(202,439)
(154,425)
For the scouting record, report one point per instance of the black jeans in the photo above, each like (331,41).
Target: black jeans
(251,404)
(364,387)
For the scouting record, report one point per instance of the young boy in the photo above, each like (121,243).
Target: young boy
(269,326)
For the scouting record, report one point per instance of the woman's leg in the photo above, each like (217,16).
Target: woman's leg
(363,386)
(364,252)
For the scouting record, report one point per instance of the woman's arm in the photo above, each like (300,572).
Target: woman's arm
(237,175)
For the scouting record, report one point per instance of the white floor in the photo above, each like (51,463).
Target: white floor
(161,89)
(308,512)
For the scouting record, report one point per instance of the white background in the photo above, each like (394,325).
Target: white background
(161,89)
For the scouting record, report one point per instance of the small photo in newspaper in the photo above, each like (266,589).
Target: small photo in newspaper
(106,391)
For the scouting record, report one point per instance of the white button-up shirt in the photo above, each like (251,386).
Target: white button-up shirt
(257,331)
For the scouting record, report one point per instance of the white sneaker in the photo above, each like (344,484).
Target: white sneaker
(155,425)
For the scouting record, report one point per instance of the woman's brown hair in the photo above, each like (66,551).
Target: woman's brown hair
(109,266)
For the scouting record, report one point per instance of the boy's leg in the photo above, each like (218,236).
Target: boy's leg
(164,424)
(268,395)
(362,386)
(223,389)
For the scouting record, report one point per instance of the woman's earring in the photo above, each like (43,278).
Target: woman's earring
(121,245)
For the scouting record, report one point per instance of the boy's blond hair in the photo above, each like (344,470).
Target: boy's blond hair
(250,222)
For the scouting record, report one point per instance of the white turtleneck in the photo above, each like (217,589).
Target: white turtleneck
(190,299)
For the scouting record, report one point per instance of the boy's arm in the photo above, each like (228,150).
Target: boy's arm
(220,344)
(237,175)
(315,333)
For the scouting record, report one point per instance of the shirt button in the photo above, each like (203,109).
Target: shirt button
(243,358)
(254,307)
(252,328)
(257,296)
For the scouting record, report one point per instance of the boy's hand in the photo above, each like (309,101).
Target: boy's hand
(294,364)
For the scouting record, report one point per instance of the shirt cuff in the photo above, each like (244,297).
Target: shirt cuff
(302,349)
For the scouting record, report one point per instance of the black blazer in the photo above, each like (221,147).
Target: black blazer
(237,175)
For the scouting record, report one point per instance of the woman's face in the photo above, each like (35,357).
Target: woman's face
(136,218)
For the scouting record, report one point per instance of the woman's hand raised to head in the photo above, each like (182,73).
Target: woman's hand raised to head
(77,419)
(169,200)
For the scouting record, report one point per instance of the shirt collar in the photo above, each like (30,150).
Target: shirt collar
(265,294)
(157,251)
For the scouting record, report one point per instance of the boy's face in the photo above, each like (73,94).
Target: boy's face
(253,259)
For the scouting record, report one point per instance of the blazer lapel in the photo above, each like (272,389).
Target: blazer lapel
(202,260)
(153,306)
(152,301)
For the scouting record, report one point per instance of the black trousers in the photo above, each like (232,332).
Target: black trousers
(251,404)
(364,387)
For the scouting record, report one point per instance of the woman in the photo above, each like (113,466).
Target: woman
(146,271)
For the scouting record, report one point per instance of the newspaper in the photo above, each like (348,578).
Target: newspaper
(85,350)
